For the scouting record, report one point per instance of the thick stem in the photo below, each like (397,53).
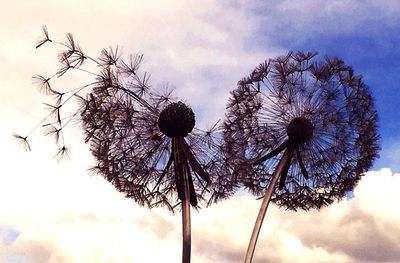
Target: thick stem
(264,205)
(186,228)
(182,165)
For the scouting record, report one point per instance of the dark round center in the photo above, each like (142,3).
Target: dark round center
(300,130)
(176,120)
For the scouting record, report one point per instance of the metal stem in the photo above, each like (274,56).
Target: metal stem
(186,226)
(264,205)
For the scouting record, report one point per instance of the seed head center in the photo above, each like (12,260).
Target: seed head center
(176,120)
(300,130)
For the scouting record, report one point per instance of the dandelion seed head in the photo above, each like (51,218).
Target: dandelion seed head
(143,140)
(319,110)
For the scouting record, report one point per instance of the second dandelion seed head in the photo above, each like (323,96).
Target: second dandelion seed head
(176,120)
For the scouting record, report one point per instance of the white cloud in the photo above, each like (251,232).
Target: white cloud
(112,229)
(200,48)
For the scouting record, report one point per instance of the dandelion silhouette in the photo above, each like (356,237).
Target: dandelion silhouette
(145,142)
(311,124)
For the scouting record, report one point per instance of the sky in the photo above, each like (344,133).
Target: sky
(56,212)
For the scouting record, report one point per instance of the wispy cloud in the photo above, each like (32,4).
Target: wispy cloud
(389,156)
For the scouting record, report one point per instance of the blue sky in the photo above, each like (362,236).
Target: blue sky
(375,55)
(57,212)
(364,34)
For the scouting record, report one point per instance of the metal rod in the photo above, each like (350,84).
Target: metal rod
(264,205)
(186,226)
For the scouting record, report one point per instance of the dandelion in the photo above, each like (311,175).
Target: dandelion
(144,141)
(309,124)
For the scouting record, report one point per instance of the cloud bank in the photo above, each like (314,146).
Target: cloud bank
(363,229)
